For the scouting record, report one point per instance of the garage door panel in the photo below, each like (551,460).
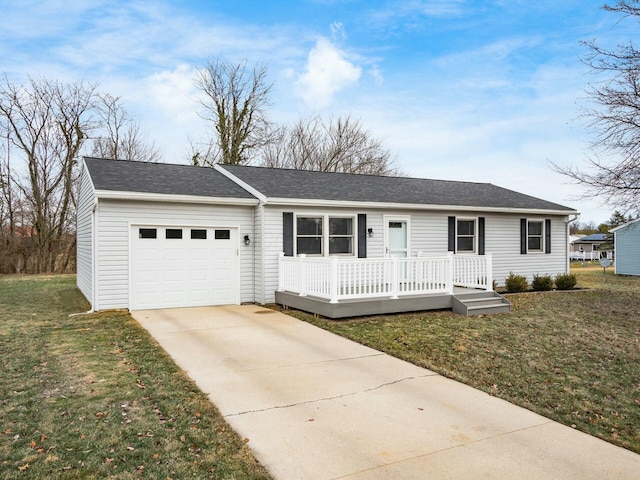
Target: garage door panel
(175,272)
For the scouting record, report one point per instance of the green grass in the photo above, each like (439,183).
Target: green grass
(571,356)
(94,396)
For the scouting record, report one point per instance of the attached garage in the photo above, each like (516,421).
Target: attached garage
(182,266)
(163,236)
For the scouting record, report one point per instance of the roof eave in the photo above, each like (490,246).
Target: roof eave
(412,206)
(173,198)
(628,224)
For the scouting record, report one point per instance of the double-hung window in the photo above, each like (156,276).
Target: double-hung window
(465,236)
(535,236)
(340,236)
(309,237)
(325,235)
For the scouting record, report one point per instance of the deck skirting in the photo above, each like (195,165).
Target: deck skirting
(365,306)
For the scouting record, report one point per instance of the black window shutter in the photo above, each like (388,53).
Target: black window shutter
(362,235)
(547,236)
(452,234)
(523,236)
(481,236)
(287,233)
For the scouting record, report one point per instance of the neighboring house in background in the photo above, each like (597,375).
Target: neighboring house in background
(627,247)
(590,247)
(153,235)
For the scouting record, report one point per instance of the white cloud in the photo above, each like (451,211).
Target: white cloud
(327,72)
(165,104)
(173,91)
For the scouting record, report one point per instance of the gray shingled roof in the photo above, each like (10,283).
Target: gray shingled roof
(171,179)
(301,184)
(127,176)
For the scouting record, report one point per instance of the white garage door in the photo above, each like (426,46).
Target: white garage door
(183,267)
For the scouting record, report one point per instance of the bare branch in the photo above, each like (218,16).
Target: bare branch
(613,172)
(341,145)
(121,137)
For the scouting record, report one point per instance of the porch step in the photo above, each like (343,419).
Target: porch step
(480,303)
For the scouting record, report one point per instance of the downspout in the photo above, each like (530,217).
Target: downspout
(569,222)
(94,210)
(261,208)
(94,257)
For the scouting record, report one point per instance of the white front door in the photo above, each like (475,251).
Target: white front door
(396,237)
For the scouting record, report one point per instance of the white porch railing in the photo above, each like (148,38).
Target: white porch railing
(339,278)
(584,255)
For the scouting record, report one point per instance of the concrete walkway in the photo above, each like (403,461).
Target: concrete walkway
(317,406)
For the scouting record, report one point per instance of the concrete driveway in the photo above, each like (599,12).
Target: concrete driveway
(317,406)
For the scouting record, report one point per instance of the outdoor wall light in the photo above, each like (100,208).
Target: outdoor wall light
(247,241)
(370,232)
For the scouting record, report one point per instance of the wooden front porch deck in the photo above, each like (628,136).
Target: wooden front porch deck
(466,301)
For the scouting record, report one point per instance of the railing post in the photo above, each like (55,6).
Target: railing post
(333,280)
(303,274)
(489,266)
(395,277)
(450,272)
(280,272)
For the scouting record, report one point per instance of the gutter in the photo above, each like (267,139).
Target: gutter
(416,206)
(163,197)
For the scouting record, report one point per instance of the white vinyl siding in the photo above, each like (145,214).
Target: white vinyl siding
(115,217)
(627,250)
(84,242)
(429,232)
(502,239)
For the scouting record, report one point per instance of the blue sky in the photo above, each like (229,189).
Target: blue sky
(487,91)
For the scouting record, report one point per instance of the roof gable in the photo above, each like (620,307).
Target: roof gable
(161,178)
(310,185)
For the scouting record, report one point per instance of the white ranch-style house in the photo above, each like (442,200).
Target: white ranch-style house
(154,235)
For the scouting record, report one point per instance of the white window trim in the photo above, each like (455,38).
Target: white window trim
(325,232)
(475,236)
(542,235)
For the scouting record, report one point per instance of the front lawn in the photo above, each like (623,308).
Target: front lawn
(571,356)
(94,396)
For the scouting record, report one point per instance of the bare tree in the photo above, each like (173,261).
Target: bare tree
(235,99)
(341,145)
(202,153)
(121,137)
(613,172)
(46,123)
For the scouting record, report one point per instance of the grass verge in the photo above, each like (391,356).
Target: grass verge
(573,357)
(94,396)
